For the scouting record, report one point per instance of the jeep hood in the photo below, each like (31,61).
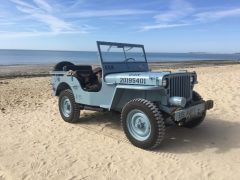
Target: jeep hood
(141,78)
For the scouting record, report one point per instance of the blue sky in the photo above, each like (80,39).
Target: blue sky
(161,25)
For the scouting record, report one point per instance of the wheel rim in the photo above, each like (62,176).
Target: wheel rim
(138,125)
(66,106)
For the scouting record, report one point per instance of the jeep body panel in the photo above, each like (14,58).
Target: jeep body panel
(111,96)
(102,98)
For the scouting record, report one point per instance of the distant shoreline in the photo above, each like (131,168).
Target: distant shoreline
(43,57)
(40,70)
(220,61)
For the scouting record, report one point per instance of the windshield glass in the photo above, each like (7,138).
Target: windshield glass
(122,53)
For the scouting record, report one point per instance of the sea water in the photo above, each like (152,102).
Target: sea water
(20,57)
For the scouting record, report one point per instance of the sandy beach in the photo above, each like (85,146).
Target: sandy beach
(35,143)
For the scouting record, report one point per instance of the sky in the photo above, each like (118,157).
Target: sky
(161,25)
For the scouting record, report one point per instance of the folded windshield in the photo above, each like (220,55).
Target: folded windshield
(122,53)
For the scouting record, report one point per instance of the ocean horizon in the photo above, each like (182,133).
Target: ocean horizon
(23,57)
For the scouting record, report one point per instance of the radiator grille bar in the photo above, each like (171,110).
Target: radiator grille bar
(180,85)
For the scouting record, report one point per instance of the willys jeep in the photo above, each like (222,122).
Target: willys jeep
(124,83)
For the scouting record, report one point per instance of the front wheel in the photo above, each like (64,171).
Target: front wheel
(143,124)
(69,109)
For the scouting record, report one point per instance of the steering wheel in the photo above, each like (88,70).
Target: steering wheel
(128,59)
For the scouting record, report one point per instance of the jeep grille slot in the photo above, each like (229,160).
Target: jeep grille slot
(180,85)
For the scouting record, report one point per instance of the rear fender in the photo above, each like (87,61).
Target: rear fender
(63,82)
(61,87)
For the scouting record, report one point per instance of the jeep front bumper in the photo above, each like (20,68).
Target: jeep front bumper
(193,111)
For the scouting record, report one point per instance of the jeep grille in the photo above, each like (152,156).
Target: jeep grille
(179,85)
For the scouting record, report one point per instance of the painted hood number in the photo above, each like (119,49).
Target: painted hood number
(132,81)
(138,78)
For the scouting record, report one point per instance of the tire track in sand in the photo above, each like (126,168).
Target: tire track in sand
(165,155)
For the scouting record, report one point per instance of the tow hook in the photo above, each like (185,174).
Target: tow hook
(209,104)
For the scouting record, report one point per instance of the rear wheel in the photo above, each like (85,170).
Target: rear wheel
(143,124)
(198,120)
(69,109)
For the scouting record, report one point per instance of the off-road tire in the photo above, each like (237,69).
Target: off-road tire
(156,121)
(59,66)
(195,121)
(75,110)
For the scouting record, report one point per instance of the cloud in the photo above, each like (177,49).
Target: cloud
(13,35)
(114,12)
(43,5)
(62,18)
(175,16)
(181,13)
(178,10)
(54,23)
(22,3)
(41,12)
(162,26)
(216,15)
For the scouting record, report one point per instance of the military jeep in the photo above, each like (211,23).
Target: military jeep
(145,99)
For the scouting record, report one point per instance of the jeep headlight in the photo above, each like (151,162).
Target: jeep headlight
(192,79)
(164,82)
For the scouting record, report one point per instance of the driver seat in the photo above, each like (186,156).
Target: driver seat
(94,85)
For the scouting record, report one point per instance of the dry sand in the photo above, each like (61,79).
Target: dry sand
(35,143)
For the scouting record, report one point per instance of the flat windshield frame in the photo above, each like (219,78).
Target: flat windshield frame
(125,48)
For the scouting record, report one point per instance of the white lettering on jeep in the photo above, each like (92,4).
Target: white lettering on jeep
(133,80)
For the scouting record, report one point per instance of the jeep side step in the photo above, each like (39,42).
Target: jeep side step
(92,108)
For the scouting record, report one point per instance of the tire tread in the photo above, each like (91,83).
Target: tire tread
(76,108)
(160,132)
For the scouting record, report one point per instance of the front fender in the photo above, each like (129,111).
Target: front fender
(125,93)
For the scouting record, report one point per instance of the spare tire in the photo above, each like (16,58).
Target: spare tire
(59,66)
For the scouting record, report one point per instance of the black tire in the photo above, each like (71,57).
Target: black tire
(195,121)
(156,122)
(74,112)
(59,66)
